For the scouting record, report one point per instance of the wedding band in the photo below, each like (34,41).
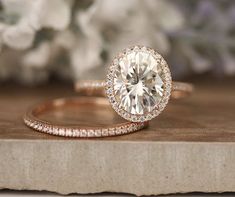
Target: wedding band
(32,119)
(138,84)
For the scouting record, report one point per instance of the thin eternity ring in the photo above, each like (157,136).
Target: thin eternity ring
(32,119)
(170,89)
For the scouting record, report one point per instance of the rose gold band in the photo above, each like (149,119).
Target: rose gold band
(32,120)
(97,87)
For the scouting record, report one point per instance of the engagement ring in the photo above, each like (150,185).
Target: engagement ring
(138,84)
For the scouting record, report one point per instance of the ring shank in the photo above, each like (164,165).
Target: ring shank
(97,87)
(33,120)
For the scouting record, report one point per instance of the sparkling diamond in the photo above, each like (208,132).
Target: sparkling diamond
(83,133)
(111,131)
(68,132)
(119,130)
(61,132)
(138,82)
(76,133)
(105,132)
(55,131)
(91,133)
(97,133)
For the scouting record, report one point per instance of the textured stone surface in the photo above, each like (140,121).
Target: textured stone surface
(98,166)
(190,147)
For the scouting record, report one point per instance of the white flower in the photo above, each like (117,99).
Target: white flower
(228,61)
(38,57)
(85,56)
(25,17)
(19,36)
(113,25)
(55,14)
(198,63)
(65,39)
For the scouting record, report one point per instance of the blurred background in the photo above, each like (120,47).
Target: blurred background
(69,40)
(48,41)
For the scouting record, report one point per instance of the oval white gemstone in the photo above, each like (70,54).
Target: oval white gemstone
(138,84)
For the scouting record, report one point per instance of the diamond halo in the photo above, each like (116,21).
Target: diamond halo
(138,84)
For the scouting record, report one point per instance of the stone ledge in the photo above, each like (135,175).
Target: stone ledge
(141,168)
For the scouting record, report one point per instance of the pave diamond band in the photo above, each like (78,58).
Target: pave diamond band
(97,87)
(32,120)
